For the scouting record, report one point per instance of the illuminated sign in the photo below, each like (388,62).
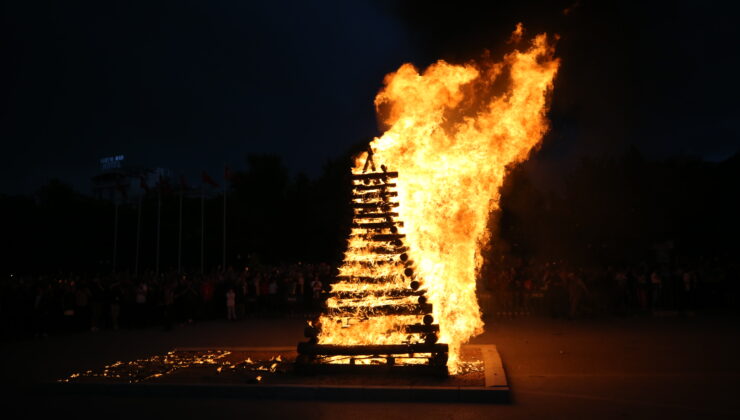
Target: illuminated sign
(111,162)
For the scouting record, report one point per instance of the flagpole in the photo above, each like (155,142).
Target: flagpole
(115,231)
(223,263)
(138,235)
(202,225)
(159,219)
(179,233)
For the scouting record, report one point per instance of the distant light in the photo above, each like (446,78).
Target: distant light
(111,162)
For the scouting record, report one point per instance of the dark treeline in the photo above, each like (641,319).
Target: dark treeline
(616,236)
(617,211)
(271,217)
(607,211)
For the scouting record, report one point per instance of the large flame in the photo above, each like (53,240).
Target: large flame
(453,129)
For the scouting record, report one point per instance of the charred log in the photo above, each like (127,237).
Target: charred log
(379,204)
(388,251)
(384,237)
(369,350)
(391,293)
(374,175)
(382,310)
(375,195)
(377,225)
(373,187)
(383,215)
(382,263)
(366,279)
(421,329)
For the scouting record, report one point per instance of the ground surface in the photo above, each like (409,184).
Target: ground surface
(609,368)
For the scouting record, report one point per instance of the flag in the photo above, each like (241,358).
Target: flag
(122,189)
(142,183)
(183,183)
(164,185)
(208,180)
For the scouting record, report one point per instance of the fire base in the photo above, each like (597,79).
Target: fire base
(486,385)
(426,358)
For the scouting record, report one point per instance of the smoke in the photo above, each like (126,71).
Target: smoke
(632,73)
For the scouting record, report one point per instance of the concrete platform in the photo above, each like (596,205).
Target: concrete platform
(495,389)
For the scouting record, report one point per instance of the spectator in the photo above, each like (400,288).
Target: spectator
(82,306)
(273,293)
(142,289)
(576,290)
(231,305)
(656,285)
(114,300)
(316,286)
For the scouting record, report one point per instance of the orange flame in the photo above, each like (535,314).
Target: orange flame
(452,132)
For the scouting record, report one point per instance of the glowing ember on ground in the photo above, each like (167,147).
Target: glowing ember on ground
(153,367)
(158,366)
(452,131)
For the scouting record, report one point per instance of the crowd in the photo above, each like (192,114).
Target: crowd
(39,305)
(557,290)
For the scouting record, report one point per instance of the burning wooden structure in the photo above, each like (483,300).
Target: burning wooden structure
(377,312)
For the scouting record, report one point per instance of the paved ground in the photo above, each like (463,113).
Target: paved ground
(609,368)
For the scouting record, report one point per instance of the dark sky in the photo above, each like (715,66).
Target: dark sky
(192,85)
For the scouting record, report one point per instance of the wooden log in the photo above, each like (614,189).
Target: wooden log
(373,187)
(422,329)
(383,237)
(364,279)
(384,215)
(376,225)
(361,294)
(382,310)
(375,194)
(368,264)
(381,251)
(408,329)
(379,204)
(374,175)
(388,251)
(313,366)
(370,350)
(439,359)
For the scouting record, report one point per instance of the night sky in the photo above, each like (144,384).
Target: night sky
(193,85)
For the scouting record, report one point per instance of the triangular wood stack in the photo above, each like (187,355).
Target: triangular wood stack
(386,287)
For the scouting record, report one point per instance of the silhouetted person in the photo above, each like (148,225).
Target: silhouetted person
(168,302)
(656,288)
(97,299)
(41,311)
(142,290)
(115,295)
(576,291)
(82,306)
(231,305)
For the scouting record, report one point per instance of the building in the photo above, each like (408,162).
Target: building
(117,179)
